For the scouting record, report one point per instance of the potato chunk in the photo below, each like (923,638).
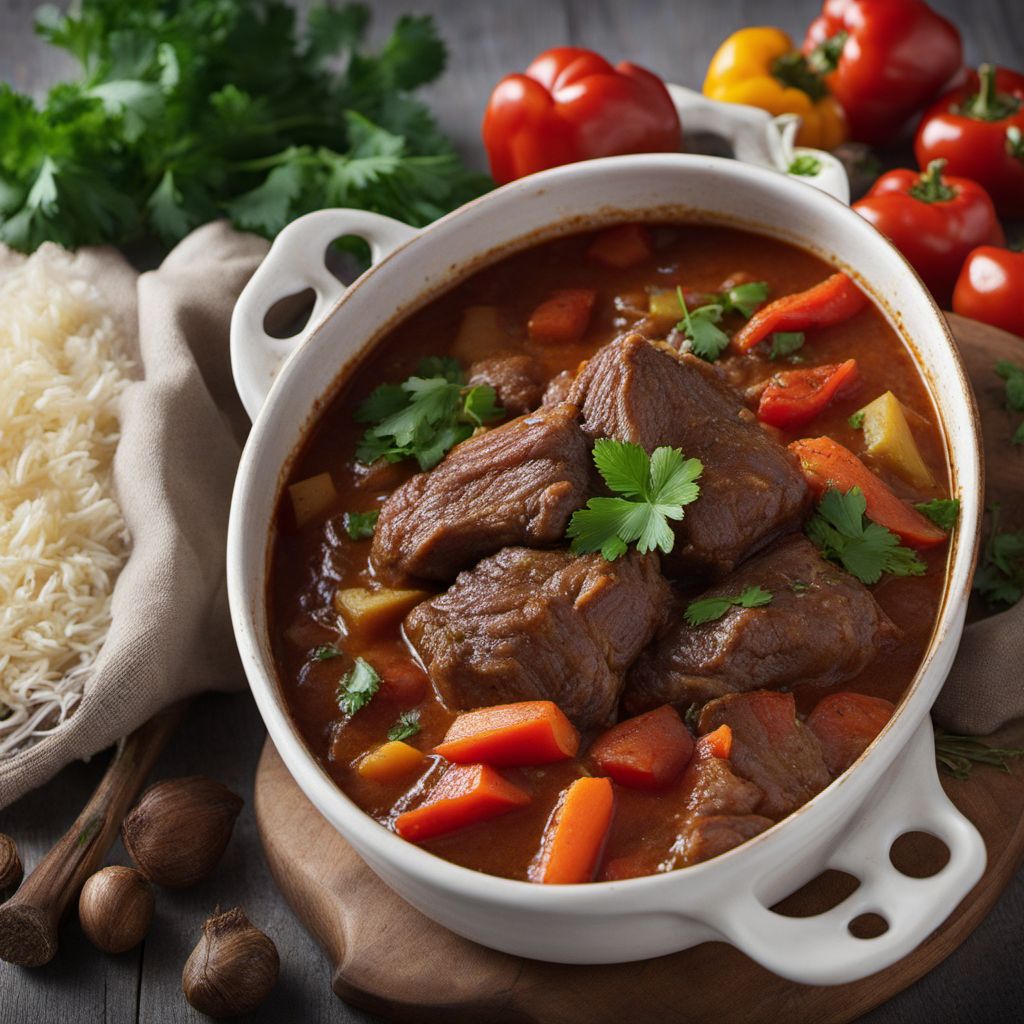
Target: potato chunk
(311,497)
(889,439)
(367,611)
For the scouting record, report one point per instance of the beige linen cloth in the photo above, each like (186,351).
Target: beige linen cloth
(182,428)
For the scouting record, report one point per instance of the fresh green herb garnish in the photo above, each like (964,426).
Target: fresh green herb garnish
(1000,577)
(743,298)
(856,420)
(706,339)
(943,512)
(425,416)
(799,587)
(653,489)
(957,755)
(357,687)
(407,726)
(325,652)
(360,525)
(785,343)
(692,717)
(1014,377)
(805,165)
(710,609)
(841,530)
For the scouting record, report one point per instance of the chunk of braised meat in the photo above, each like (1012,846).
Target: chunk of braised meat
(516,484)
(771,747)
(704,838)
(518,381)
(846,724)
(558,388)
(752,489)
(540,625)
(822,626)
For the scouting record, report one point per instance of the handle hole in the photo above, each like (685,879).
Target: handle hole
(820,894)
(346,257)
(868,926)
(918,854)
(288,316)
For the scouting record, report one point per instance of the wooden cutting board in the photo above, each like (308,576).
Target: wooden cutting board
(393,961)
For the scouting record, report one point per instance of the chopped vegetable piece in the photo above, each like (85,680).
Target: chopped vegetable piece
(369,611)
(795,397)
(646,752)
(706,339)
(312,497)
(508,735)
(664,305)
(563,318)
(326,652)
(576,834)
(406,727)
(943,512)
(957,755)
(856,420)
(846,724)
(717,743)
(654,490)
(621,247)
(826,463)
(357,687)
(402,680)
(1000,576)
(360,525)
(464,795)
(710,609)
(744,298)
(889,439)
(390,762)
(480,330)
(831,302)
(785,344)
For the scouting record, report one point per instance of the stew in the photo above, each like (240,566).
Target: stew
(613,555)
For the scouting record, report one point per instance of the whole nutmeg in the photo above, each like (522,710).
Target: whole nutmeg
(178,830)
(233,967)
(11,871)
(115,908)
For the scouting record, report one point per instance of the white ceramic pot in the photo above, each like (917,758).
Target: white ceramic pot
(850,826)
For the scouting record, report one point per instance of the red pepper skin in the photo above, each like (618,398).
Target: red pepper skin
(976,148)
(795,397)
(934,236)
(898,54)
(570,105)
(830,302)
(990,288)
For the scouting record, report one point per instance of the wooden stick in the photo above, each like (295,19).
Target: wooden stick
(31,918)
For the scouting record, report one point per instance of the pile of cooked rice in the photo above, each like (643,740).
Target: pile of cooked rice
(63,539)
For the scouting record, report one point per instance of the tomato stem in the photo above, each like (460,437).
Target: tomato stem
(824,58)
(931,187)
(794,70)
(988,104)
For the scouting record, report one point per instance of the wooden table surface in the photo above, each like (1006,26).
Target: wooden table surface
(981,984)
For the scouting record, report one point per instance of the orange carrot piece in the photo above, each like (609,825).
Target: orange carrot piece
(531,732)
(401,679)
(846,724)
(576,833)
(795,397)
(562,319)
(390,761)
(621,247)
(646,752)
(465,795)
(717,743)
(826,463)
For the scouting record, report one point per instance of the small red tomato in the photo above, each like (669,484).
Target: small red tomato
(990,288)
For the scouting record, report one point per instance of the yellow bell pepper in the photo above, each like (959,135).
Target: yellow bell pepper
(762,68)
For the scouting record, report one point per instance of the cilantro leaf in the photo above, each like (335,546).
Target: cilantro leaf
(1013,374)
(843,533)
(711,609)
(325,652)
(706,339)
(999,579)
(653,490)
(357,687)
(360,525)
(744,298)
(406,727)
(943,512)
(785,343)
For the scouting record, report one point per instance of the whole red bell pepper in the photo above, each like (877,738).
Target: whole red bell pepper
(978,129)
(883,61)
(570,105)
(990,288)
(933,220)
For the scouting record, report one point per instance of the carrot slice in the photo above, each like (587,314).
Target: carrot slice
(794,397)
(621,247)
(832,301)
(562,319)
(846,724)
(465,795)
(576,833)
(826,463)
(717,743)
(646,752)
(508,735)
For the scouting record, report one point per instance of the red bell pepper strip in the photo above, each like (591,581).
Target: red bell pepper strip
(621,247)
(570,105)
(826,463)
(717,743)
(883,61)
(990,288)
(978,129)
(846,724)
(465,795)
(831,302)
(576,834)
(933,220)
(506,735)
(562,319)
(794,397)
(646,752)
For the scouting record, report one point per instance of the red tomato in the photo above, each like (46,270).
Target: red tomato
(990,288)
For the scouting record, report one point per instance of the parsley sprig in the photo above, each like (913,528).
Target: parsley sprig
(1013,374)
(865,549)
(424,416)
(651,491)
(1000,577)
(357,687)
(707,340)
(743,298)
(406,727)
(943,512)
(711,609)
(360,525)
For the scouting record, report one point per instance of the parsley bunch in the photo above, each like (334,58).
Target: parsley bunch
(653,489)
(357,687)
(425,415)
(700,326)
(711,609)
(185,112)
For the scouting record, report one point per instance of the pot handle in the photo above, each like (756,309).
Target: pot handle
(821,950)
(295,262)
